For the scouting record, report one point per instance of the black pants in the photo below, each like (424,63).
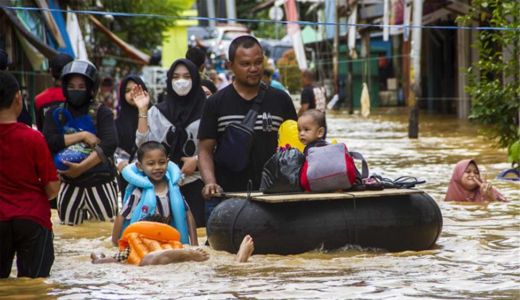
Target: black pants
(33,245)
(192,192)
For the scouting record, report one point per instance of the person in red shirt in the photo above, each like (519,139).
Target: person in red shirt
(54,95)
(28,179)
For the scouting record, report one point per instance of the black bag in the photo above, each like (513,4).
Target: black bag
(281,172)
(234,148)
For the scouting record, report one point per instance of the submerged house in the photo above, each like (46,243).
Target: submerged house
(347,56)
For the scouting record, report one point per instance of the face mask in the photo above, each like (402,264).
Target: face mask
(77,98)
(181,86)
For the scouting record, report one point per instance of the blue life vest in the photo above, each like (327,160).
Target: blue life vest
(137,179)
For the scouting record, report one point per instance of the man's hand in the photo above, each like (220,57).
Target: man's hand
(212,190)
(189,166)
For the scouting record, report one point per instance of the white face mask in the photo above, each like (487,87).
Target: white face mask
(181,86)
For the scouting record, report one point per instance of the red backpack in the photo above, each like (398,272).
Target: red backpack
(330,168)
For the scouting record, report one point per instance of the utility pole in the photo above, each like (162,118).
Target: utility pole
(415,54)
(231,11)
(210,5)
(335,53)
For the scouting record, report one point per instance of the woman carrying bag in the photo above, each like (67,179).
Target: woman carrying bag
(85,129)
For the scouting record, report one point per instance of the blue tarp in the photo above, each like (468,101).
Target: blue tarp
(62,26)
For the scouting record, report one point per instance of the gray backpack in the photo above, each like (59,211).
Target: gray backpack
(330,168)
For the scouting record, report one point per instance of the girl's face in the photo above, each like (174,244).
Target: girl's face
(154,164)
(77,83)
(181,72)
(128,92)
(308,130)
(207,91)
(470,177)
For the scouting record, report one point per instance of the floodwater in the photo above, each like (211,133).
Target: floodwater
(477,255)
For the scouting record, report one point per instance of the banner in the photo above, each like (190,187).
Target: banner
(293,30)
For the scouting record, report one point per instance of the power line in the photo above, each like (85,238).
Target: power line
(148,15)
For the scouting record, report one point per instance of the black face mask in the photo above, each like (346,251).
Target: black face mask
(78,98)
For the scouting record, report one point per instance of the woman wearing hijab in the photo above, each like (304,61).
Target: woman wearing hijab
(175,123)
(467,185)
(83,127)
(126,124)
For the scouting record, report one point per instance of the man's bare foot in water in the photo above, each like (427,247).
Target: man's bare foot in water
(246,249)
(163,257)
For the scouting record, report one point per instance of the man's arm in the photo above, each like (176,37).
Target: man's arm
(207,168)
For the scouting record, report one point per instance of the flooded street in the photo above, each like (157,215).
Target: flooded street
(476,257)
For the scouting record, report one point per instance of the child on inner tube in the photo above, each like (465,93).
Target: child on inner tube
(153,161)
(163,257)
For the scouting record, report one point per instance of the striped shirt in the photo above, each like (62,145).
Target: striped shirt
(162,205)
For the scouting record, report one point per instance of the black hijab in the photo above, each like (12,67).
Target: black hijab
(127,118)
(181,111)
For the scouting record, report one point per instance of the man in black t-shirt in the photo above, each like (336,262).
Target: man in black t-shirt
(230,105)
(312,96)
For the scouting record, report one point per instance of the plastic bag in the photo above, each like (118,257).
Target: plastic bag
(281,172)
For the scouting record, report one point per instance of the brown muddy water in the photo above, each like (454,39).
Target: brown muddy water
(476,257)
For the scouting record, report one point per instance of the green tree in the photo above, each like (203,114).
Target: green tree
(494,80)
(145,33)
(289,71)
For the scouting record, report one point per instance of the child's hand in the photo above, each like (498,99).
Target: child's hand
(73,171)
(189,166)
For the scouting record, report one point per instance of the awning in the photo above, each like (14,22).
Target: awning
(131,51)
(47,51)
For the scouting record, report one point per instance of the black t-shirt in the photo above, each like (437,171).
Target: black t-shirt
(307,97)
(227,106)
